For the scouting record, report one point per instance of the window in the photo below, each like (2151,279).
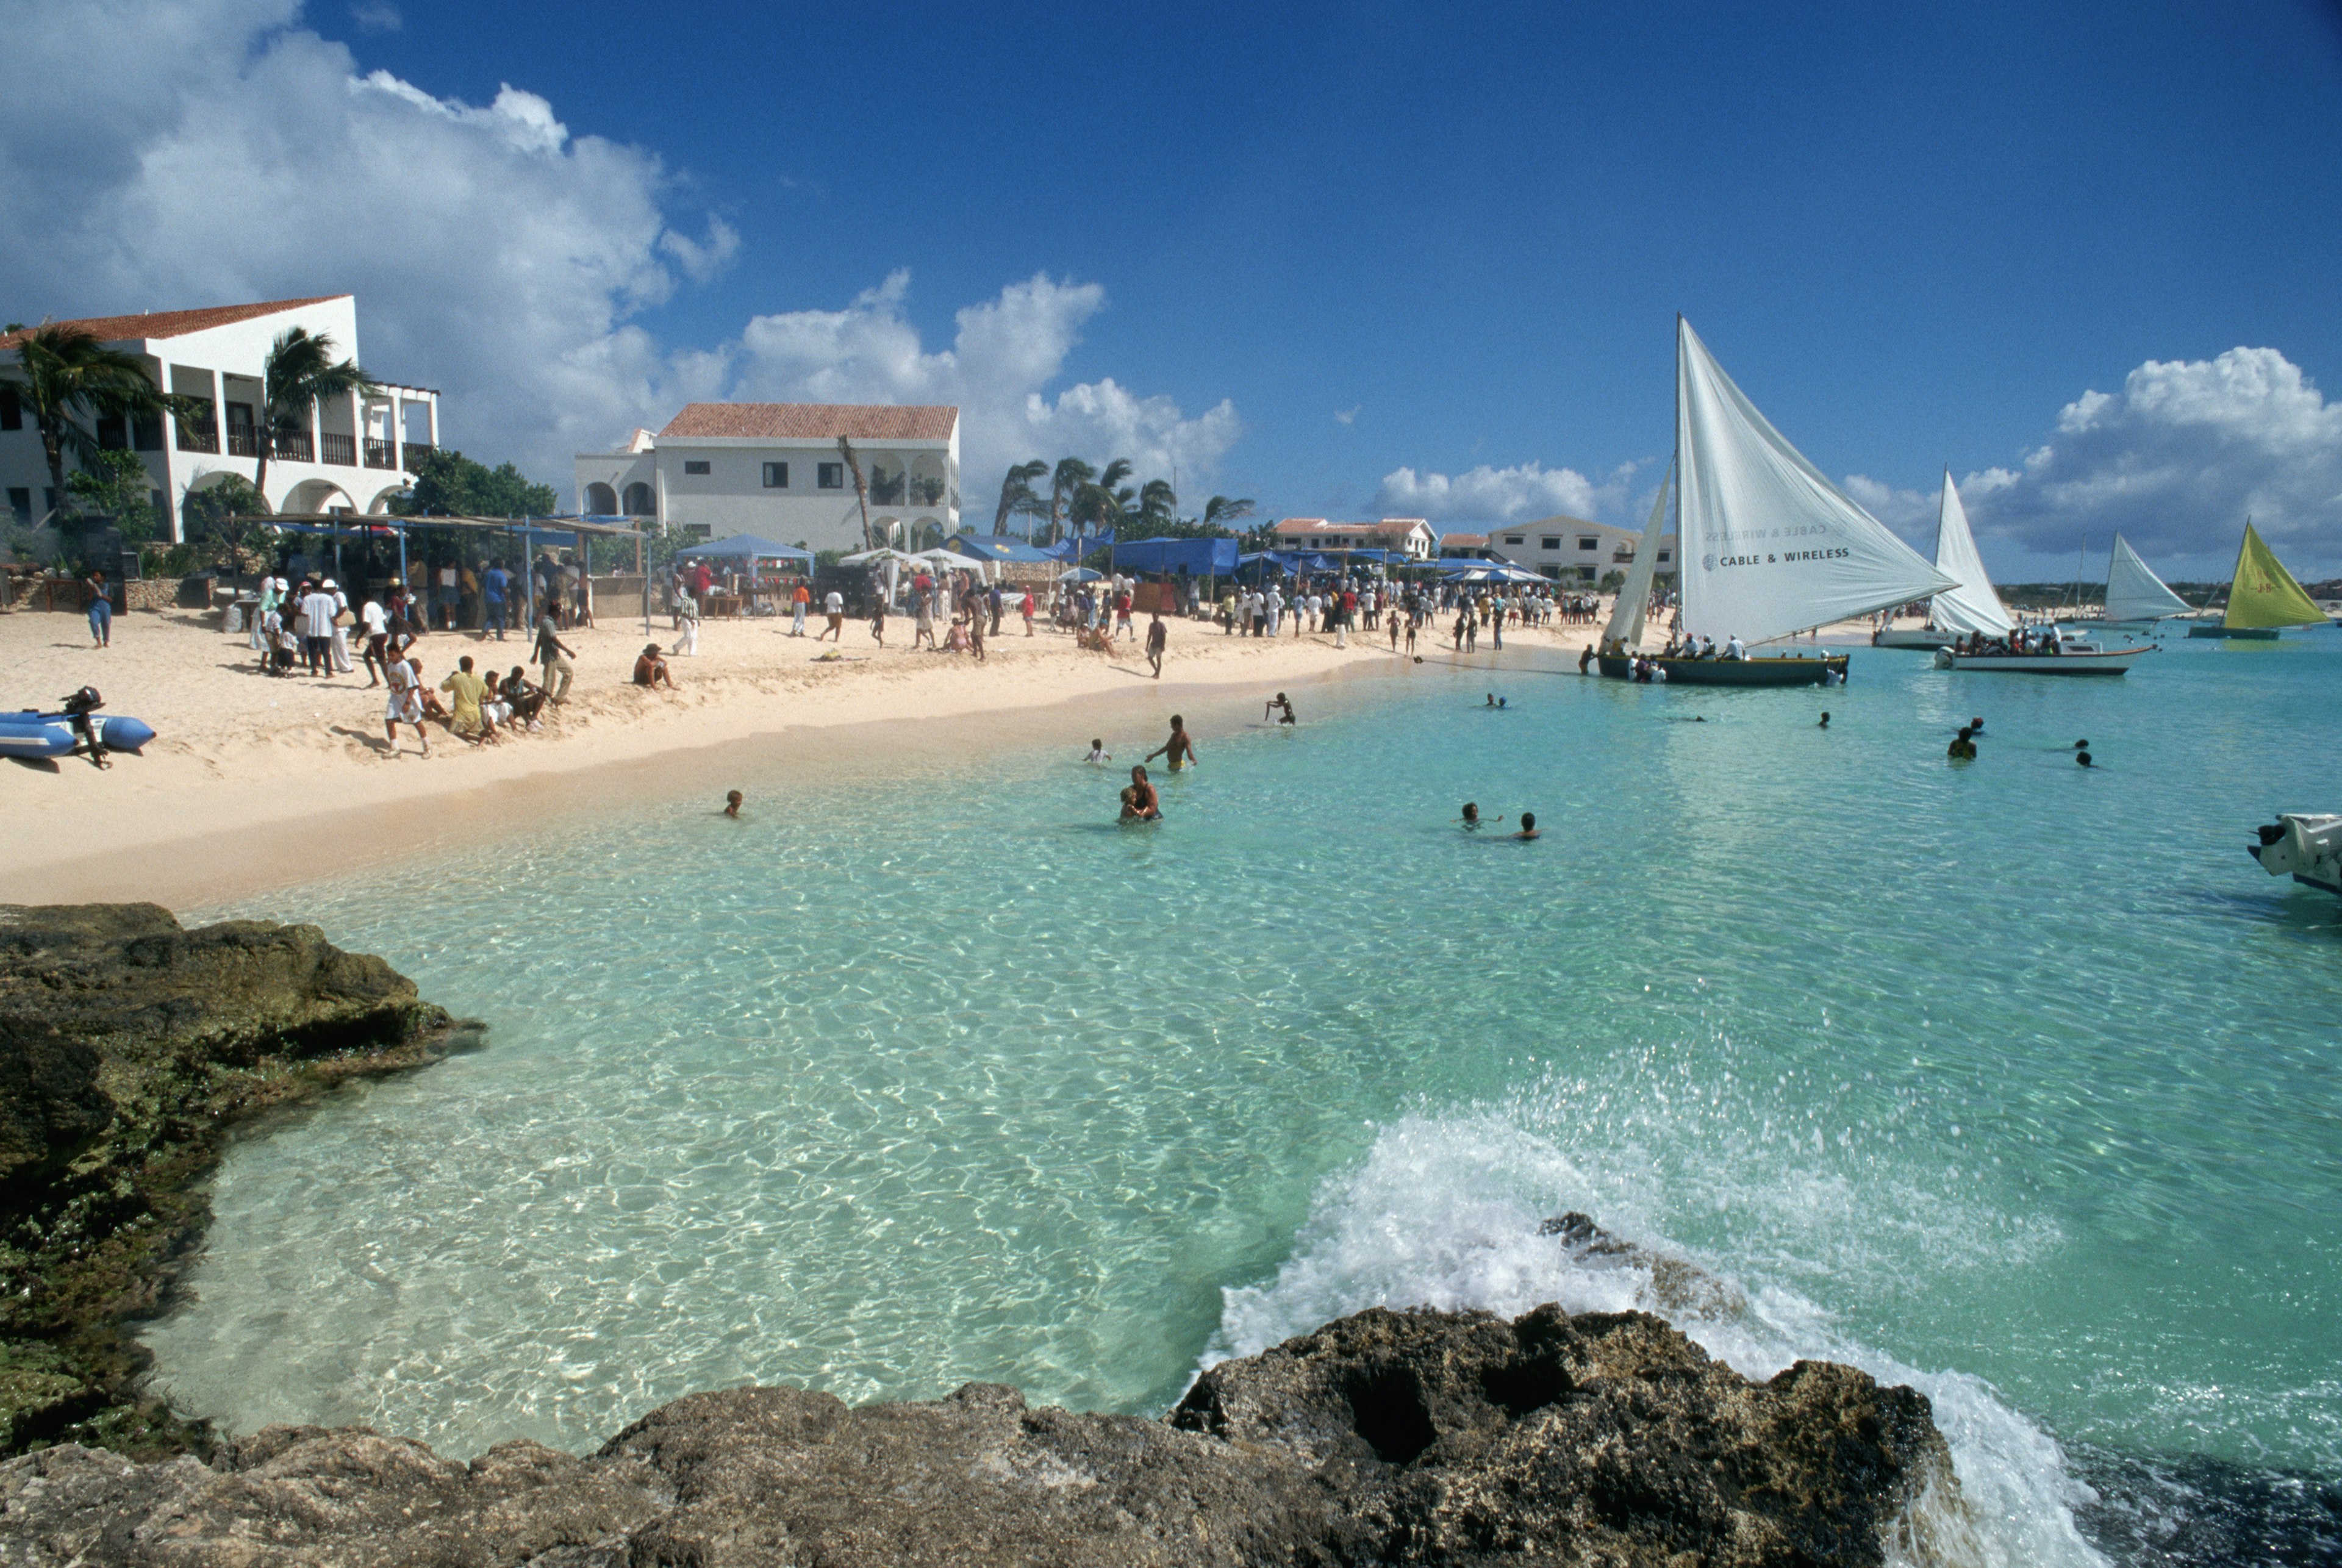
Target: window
(147,432)
(1588,541)
(1512,538)
(20,503)
(113,432)
(695,465)
(1550,541)
(12,413)
(1663,557)
(776,476)
(830,476)
(697,530)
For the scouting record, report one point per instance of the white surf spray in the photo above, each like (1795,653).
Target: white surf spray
(1444,1209)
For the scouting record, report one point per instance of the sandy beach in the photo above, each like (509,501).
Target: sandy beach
(257,781)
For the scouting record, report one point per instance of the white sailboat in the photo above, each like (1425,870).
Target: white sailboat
(1766,546)
(1972,606)
(2135,593)
(1625,629)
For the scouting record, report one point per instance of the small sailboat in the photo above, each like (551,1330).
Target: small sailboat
(2135,595)
(2263,598)
(1766,546)
(1972,606)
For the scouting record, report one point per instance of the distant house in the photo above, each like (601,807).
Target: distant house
(350,454)
(1567,549)
(775,469)
(1409,536)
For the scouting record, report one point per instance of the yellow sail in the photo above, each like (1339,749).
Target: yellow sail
(2265,593)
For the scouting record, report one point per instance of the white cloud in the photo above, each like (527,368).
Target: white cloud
(217,150)
(1348,416)
(1486,494)
(2175,460)
(377,16)
(1004,355)
(1906,511)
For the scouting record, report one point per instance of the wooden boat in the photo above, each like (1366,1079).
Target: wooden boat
(2079,662)
(1762,669)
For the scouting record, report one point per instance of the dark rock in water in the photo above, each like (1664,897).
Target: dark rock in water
(1418,1437)
(2194,1511)
(128,1046)
(1674,1288)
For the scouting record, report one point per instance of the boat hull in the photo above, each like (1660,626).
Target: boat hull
(2107,663)
(1772,672)
(2248,634)
(35,736)
(1925,637)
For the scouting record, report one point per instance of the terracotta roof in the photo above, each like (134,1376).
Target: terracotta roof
(814,421)
(1319,524)
(178,323)
(1461,541)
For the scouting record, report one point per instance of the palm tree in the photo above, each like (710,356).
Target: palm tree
(1016,490)
(861,489)
(1065,484)
(65,374)
(1220,512)
(300,373)
(1104,501)
(1157,504)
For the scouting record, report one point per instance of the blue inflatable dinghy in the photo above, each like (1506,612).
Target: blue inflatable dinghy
(79,729)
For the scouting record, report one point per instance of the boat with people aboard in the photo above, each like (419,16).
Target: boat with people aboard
(2263,597)
(1767,548)
(1972,606)
(2049,650)
(2305,846)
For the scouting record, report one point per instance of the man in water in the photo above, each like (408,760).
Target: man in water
(1824,723)
(1282,704)
(2083,758)
(1178,752)
(1158,634)
(732,803)
(1962,748)
(1529,827)
(1140,800)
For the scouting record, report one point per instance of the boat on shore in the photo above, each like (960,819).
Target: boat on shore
(1766,546)
(2263,597)
(2304,846)
(79,729)
(1972,606)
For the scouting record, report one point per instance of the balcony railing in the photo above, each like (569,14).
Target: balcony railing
(198,435)
(243,442)
(416,451)
(293,446)
(338,449)
(381,454)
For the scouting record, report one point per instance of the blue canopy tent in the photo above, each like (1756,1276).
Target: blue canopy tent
(744,547)
(1071,549)
(998,548)
(1184,557)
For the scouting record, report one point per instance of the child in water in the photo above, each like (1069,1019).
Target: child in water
(1529,827)
(732,803)
(1097,756)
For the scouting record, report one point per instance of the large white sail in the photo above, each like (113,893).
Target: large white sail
(2134,593)
(1765,545)
(1635,599)
(1972,606)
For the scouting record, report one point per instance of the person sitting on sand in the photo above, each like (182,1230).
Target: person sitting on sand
(467,689)
(650,670)
(1280,704)
(733,800)
(955,640)
(1144,803)
(526,698)
(1529,827)
(1098,754)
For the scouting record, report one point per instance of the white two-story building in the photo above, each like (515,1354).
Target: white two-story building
(347,454)
(1567,549)
(1408,536)
(774,470)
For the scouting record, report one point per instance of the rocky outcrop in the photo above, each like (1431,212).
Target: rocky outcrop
(128,1045)
(1412,1438)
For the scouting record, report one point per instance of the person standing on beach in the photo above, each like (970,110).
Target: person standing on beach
(1157,633)
(1025,610)
(877,622)
(341,649)
(405,678)
(554,654)
(317,631)
(495,586)
(833,606)
(377,622)
(1178,752)
(101,611)
(799,602)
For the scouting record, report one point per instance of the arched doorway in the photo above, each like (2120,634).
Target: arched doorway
(640,502)
(601,501)
(317,495)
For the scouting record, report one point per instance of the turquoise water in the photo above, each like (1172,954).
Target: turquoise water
(2011,1080)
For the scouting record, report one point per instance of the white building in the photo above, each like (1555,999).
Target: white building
(352,455)
(774,469)
(1410,536)
(1569,549)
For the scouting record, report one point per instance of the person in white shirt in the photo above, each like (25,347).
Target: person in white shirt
(687,617)
(377,621)
(405,705)
(1734,648)
(833,606)
(1276,611)
(341,633)
(317,630)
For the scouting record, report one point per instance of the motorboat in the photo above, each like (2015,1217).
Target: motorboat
(1972,606)
(2306,847)
(2073,656)
(78,729)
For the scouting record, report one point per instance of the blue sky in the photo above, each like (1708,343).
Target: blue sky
(1344,259)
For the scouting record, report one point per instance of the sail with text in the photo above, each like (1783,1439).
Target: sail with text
(2264,593)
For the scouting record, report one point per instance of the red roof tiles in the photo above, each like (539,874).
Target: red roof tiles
(178,323)
(814,421)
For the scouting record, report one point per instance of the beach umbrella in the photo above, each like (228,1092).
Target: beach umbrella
(1080,575)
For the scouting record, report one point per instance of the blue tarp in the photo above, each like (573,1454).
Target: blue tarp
(1077,546)
(996,548)
(743,547)
(1192,557)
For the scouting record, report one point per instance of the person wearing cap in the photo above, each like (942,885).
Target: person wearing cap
(650,669)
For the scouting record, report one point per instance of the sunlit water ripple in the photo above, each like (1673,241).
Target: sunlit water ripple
(2010,1080)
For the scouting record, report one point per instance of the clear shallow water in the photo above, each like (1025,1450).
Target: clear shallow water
(2009,1079)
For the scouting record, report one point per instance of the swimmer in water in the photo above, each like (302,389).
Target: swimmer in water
(732,803)
(2083,758)
(1098,754)
(1139,800)
(1472,816)
(1529,827)
(1282,704)
(1179,750)
(1492,700)
(2081,746)
(1824,723)
(1962,748)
